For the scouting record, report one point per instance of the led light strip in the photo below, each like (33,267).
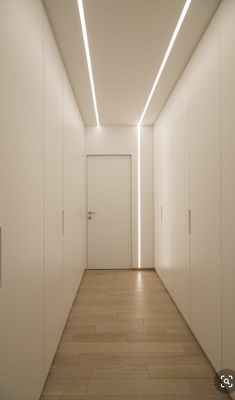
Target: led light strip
(88,57)
(164,61)
(139,195)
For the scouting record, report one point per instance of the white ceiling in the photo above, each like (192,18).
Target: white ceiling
(128,39)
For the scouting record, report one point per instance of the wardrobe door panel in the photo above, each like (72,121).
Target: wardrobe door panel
(180,199)
(53,192)
(157,196)
(21,204)
(165,264)
(73,131)
(205,195)
(228,182)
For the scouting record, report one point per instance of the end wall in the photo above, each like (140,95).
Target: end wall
(123,140)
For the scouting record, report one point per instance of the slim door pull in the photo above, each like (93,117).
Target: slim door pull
(189,222)
(161,214)
(62,222)
(0,257)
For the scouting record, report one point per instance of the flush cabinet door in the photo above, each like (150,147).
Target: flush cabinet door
(157,197)
(163,207)
(53,195)
(180,199)
(73,194)
(21,203)
(205,195)
(228,179)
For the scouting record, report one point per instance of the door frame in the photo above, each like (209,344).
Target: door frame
(131,182)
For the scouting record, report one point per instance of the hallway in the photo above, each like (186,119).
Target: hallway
(126,340)
(117,221)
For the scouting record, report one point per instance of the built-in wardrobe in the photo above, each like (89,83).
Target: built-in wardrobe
(42,200)
(194,184)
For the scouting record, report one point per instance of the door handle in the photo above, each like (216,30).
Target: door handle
(90,213)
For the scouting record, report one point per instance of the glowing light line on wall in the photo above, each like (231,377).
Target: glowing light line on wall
(88,57)
(139,195)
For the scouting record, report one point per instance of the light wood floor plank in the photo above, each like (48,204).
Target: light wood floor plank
(126,340)
(181,371)
(137,387)
(159,348)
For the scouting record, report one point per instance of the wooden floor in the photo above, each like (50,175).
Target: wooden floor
(126,340)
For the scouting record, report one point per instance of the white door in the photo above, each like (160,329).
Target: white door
(109,211)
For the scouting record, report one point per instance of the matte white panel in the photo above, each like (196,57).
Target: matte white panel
(109,196)
(147,224)
(72,130)
(37,289)
(209,79)
(53,194)
(157,193)
(164,190)
(205,195)
(228,181)
(21,207)
(180,198)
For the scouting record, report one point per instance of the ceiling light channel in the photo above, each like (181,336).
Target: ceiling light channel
(88,57)
(164,61)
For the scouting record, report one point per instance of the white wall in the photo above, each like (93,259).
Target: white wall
(42,173)
(123,140)
(194,166)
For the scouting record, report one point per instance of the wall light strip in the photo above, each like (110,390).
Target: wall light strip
(88,57)
(139,194)
(168,51)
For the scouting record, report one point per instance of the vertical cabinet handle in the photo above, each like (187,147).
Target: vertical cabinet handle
(189,222)
(62,222)
(161,214)
(0,257)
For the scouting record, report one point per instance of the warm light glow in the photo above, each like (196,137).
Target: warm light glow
(139,281)
(88,57)
(164,61)
(139,196)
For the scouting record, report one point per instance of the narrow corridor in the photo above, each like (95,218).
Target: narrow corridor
(126,340)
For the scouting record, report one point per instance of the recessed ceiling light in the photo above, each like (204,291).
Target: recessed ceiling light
(88,57)
(168,51)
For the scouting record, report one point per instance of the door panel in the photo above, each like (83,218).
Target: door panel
(21,204)
(165,266)
(228,181)
(73,147)
(205,196)
(53,192)
(109,196)
(180,200)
